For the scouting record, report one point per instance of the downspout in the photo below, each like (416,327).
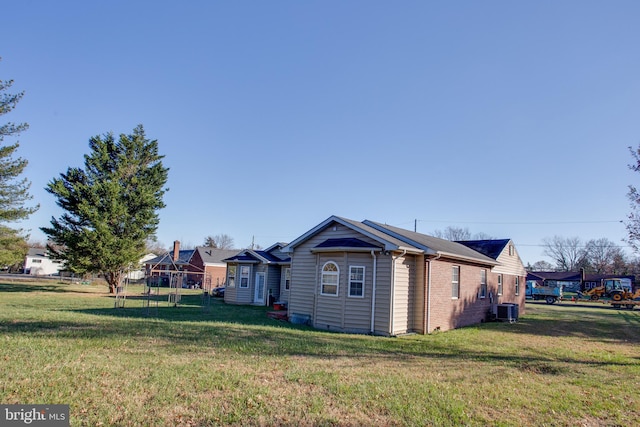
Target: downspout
(373,291)
(427,320)
(392,290)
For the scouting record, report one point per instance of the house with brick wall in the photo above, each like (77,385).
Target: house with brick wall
(368,277)
(202,267)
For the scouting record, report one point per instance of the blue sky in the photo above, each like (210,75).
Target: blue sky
(507,118)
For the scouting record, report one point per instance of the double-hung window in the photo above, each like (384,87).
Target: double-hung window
(356,281)
(244,276)
(483,283)
(517,285)
(330,279)
(287,278)
(231,276)
(455,282)
(499,284)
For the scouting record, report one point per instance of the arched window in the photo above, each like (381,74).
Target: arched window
(330,279)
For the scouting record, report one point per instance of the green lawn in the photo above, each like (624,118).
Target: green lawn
(228,365)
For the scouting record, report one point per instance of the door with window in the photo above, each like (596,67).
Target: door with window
(258,296)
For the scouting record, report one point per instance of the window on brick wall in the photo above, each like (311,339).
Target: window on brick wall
(517,285)
(499,284)
(483,283)
(455,282)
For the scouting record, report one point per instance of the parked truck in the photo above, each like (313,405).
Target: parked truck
(551,292)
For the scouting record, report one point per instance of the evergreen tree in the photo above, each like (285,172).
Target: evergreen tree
(110,206)
(14,190)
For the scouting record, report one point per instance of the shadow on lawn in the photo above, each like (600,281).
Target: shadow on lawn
(54,286)
(246,330)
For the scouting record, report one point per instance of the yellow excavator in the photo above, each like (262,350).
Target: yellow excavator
(612,288)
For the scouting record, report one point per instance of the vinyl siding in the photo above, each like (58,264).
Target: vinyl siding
(339,312)
(510,267)
(238,295)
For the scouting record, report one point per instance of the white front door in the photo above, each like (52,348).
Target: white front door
(258,297)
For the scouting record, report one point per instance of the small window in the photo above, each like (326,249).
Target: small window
(483,283)
(287,278)
(511,250)
(455,282)
(356,281)
(231,276)
(499,284)
(517,285)
(36,261)
(244,276)
(330,279)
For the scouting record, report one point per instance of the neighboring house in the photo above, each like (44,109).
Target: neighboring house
(199,267)
(38,263)
(139,272)
(367,277)
(258,277)
(574,281)
(211,262)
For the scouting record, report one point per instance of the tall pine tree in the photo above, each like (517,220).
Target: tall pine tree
(110,206)
(14,190)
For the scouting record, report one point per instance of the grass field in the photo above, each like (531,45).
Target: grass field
(231,365)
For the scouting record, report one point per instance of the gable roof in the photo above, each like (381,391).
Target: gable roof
(214,255)
(490,248)
(387,242)
(434,245)
(38,252)
(345,244)
(167,259)
(257,256)
(397,239)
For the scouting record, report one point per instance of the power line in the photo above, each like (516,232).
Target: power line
(518,222)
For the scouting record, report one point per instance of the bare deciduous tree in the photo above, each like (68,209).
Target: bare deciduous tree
(567,252)
(453,233)
(600,254)
(219,241)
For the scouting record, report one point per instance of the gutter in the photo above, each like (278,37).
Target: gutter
(373,291)
(427,320)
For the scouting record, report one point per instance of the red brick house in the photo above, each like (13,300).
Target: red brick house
(199,267)
(367,277)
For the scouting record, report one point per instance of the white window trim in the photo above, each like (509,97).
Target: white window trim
(364,275)
(517,285)
(231,278)
(483,284)
(331,273)
(242,267)
(456,282)
(500,284)
(287,278)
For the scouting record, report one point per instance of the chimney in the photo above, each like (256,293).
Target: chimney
(176,250)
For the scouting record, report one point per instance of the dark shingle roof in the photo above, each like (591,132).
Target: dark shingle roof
(490,248)
(346,243)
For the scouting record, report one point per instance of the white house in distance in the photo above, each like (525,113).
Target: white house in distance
(38,263)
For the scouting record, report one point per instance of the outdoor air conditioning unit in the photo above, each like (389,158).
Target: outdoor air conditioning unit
(507,312)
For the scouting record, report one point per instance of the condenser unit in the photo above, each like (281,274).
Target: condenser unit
(507,312)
